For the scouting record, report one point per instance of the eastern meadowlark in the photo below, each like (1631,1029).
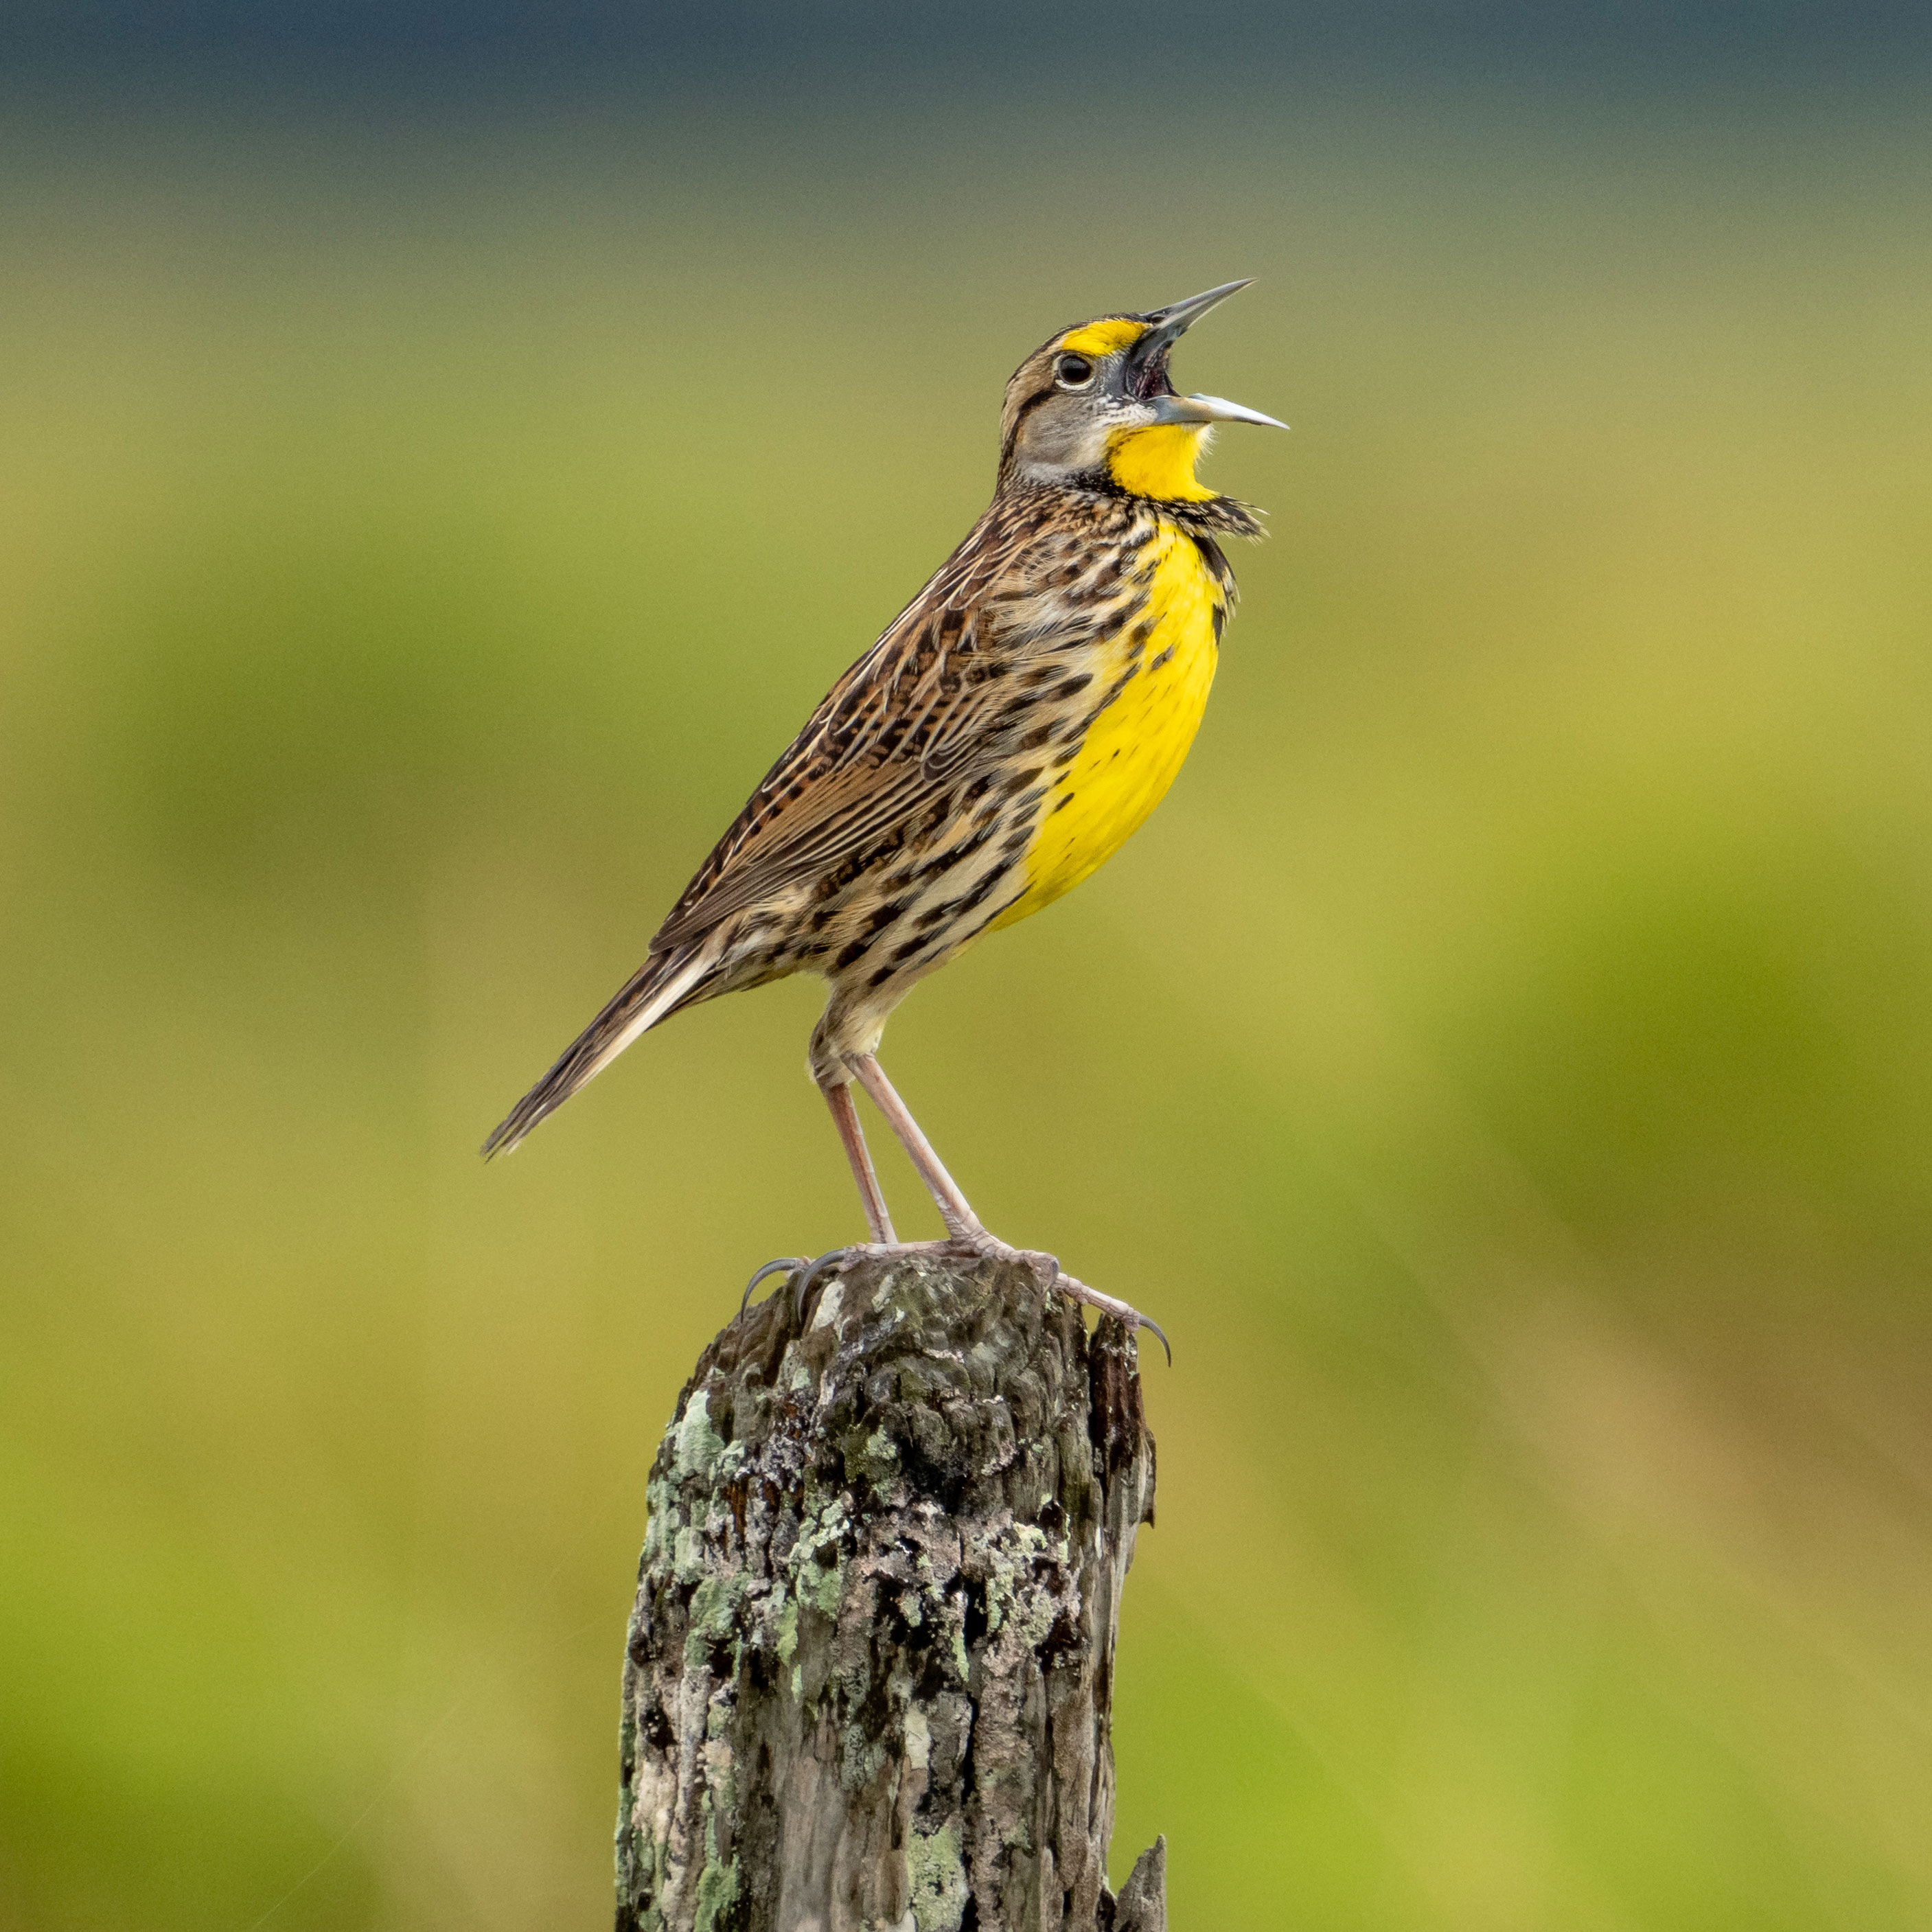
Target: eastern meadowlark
(1013,726)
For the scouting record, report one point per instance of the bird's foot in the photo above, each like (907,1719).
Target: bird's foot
(1047,1267)
(975,1242)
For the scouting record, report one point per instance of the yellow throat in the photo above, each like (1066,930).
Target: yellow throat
(1160,462)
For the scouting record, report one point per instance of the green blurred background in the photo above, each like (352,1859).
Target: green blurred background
(438,475)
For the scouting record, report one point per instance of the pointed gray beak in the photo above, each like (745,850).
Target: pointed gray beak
(1208,409)
(1166,326)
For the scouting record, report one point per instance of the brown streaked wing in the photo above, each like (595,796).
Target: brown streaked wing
(845,781)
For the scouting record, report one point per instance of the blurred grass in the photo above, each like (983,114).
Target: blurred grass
(1504,1062)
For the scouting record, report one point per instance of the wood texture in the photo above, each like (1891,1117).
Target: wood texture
(869,1683)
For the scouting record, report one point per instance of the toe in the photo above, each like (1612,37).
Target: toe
(1045,1266)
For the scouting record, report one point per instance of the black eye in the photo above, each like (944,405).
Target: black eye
(1073,372)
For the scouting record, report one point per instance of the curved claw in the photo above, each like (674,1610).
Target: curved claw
(787,1264)
(1161,1333)
(802,1286)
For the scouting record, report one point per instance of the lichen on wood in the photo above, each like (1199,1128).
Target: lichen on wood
(869,1679)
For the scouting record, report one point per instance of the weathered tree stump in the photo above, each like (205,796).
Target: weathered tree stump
(868,1686)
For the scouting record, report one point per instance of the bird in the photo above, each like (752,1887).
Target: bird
(1008,732)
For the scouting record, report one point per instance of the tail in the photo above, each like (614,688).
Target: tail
(663,983)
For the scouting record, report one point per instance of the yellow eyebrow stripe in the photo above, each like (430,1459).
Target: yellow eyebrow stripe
(1103,337)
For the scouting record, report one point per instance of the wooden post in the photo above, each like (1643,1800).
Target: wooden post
(868,1685)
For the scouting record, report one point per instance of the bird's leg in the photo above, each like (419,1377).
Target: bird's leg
(964,1228)
(961,1223)
(852,1138)
(871,1197)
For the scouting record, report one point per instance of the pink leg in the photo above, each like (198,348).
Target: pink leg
(852,1138)
(954,1209)
(963,1227)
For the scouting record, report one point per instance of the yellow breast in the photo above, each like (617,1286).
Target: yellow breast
(1134,749)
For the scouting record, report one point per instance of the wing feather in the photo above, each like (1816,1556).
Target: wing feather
(868,760)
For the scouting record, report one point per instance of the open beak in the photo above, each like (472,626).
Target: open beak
(1146,363)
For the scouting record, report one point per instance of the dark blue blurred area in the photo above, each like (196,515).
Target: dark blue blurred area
(434,50)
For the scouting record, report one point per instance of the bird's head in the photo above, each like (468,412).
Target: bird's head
(1094,407)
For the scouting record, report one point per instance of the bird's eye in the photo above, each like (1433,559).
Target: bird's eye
(1073,372)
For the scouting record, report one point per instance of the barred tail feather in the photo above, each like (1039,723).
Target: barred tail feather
(664,982)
